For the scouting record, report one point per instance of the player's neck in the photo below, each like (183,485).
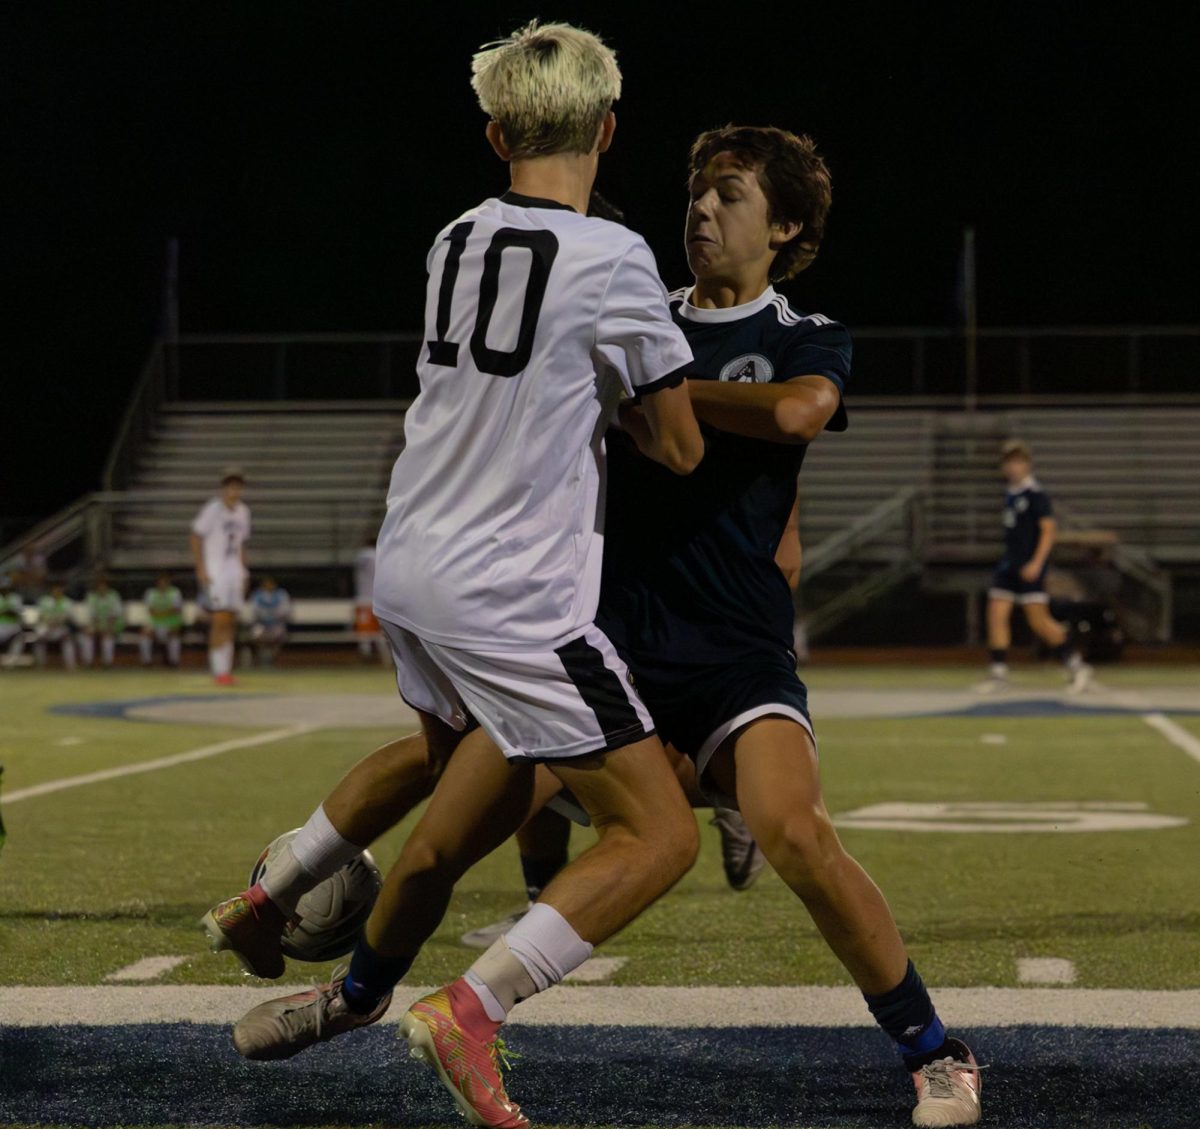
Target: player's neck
(722,293)
(565,178)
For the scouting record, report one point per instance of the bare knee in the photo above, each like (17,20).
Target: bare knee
(802,844)
(423,859)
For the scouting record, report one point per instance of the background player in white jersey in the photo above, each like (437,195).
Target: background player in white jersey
(271,608)
(538,320)
(217,542)
(104,620)
(1020,577)
(164,620)
(56,624)
(366,626)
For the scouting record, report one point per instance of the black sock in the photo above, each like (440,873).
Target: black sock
(907,1014)
(998,655)
(538,873)
(1065,652)
(371,977)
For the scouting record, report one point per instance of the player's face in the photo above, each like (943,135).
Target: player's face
(231,491)
(1016,469)
(728,234)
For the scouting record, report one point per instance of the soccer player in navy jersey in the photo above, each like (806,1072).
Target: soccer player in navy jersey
(692,594)
(1029,533)
(694,599)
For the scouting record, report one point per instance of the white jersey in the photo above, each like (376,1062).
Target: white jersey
(537,321)
(223,531)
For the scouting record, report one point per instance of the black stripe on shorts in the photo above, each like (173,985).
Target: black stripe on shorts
(602,692)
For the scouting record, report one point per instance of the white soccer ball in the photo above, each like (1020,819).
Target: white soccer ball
(330,917)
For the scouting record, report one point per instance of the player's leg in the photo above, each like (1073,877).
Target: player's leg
(146,645)
(174,642)
(39,648)
(68,650)
(87,647)
(771,767)
(108,648)
(1057,638)
(220,644)
(542,842)
(999,637)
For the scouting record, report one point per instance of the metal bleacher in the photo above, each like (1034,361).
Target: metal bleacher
(317,479)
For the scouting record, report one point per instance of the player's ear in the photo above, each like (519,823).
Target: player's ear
(607,128)
(495,136)
(783,233)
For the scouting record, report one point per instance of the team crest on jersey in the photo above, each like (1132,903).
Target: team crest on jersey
(750,368)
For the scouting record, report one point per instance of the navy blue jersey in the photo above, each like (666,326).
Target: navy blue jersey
(689,571)
(1024,507)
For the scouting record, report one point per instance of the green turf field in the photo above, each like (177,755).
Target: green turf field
(98,876)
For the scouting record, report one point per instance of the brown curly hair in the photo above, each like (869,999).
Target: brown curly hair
(794,179)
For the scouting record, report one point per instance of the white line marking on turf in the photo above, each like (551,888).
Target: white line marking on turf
(633,1006)
(595,970)
(67,742)
(994,739)
(1045,970)
(154,765)
(148,968)
(1176,734)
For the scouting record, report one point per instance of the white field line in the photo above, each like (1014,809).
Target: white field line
(634,1006)
(148,968)
(1045,970)
(154,765)
(595,970)
(1176,734)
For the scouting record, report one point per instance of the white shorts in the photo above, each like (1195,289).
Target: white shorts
(226,591)
(536,705)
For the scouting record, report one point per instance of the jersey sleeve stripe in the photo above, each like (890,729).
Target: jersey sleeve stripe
(671,380)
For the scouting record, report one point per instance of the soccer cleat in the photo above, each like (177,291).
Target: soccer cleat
(286,1026)
(467,1067)
(1080,680)
(225,680)
(948,1089)
(485,936)
(238,926)
(991,685)
(739,852)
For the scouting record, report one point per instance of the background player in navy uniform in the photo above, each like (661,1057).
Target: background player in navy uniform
(1029,532)
(692,595)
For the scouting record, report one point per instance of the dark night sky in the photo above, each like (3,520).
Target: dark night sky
(306,153)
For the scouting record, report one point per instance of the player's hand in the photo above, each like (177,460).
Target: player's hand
(1030,571)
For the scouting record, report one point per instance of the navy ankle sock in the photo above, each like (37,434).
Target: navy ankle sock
(538,872)
(371,977)
(998,655)
(907,1014)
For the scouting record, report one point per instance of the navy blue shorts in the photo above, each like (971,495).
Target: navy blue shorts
(696,707)
(1007,584)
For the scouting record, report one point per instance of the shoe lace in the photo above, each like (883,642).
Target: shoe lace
(502,1056)
(326,993)
(939,1076)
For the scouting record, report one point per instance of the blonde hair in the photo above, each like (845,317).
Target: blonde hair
(548,87)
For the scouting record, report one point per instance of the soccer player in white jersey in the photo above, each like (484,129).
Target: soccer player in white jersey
(538,320)
(217,542)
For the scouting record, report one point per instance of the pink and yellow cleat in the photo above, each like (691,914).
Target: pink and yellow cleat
(468,1067)
(251,932)
(948,1089)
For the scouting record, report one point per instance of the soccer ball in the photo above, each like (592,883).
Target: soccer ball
(331,915)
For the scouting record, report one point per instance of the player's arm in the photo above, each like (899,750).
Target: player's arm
(197,547)
(792,411)
(1047,531)
(789,553)
(664,428)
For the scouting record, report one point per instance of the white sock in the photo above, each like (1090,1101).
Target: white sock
(147,646)
(220,659)
(536,953)
(317,851)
